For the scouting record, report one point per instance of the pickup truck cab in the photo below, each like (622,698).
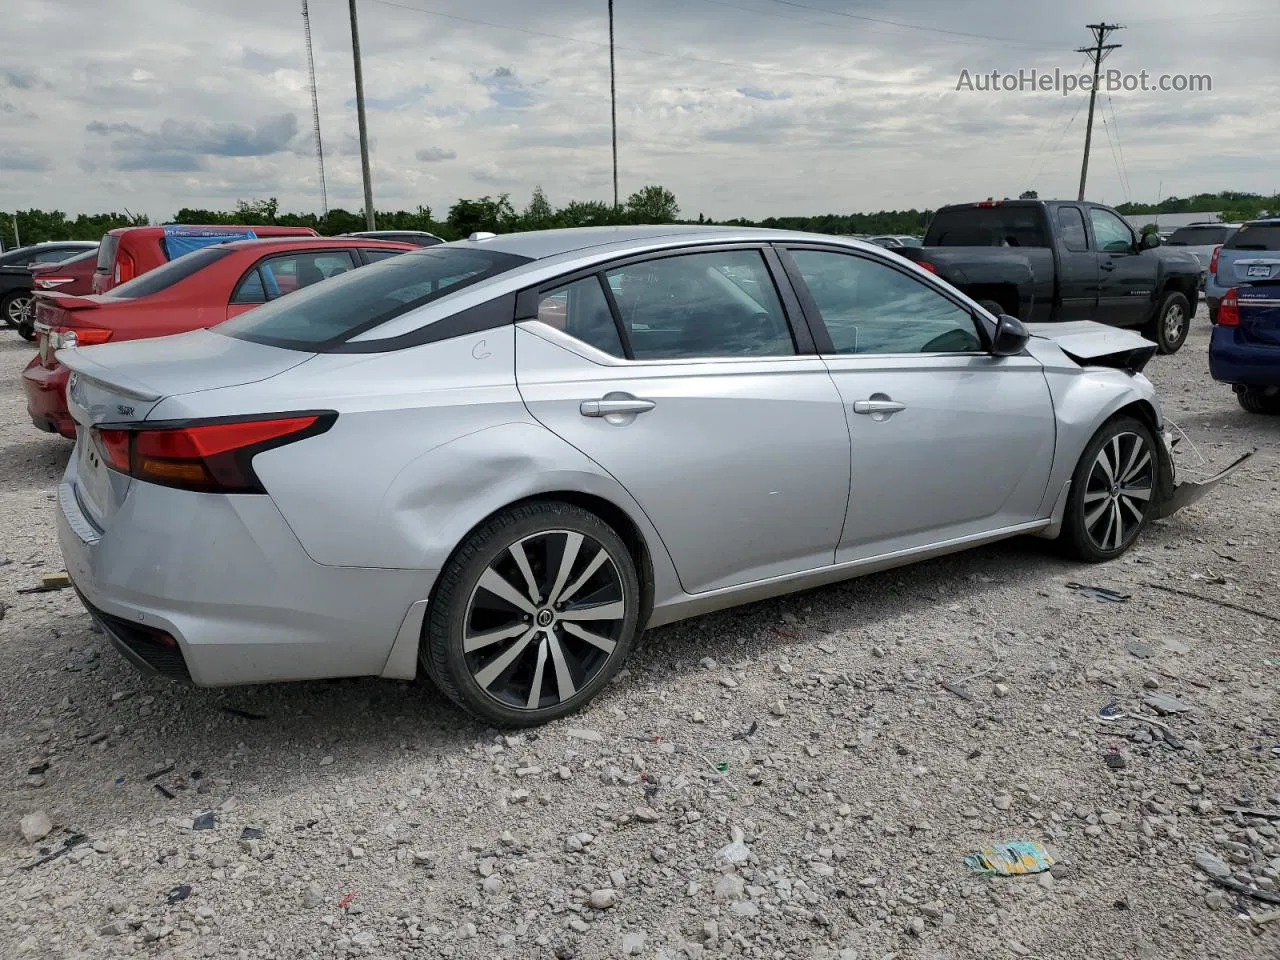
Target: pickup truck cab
(1046,261)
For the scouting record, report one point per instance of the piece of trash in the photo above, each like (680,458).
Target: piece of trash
(1011,858)
(958,690)
(160,773)
(1101,594)
(1116,760)
(1247,891)
(723,766)
(736,851)
(1112,711)
(346,901)
(206,821)
(251,833)
(1140,650)
(38,769)
(1170,739)
(1210,577)
(245,714)
(1254,812)
(119,781)
(178,893)
(743,734)
(650,791)
(68,845)
(1164,704)
(168,794)
(197,774)
(1227,556)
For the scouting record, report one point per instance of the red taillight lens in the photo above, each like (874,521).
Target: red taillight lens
(1213,260)
(926,265)
(61,337)
(205,457)
(126,269)
(1229,309)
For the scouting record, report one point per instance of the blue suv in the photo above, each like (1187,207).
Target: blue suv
(1250,255)
(1244,348)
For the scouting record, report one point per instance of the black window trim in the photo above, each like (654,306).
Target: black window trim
(527,300)
(1089,246)
(813,316)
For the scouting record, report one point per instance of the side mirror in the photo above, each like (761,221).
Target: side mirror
(1011,337)
(1149,241)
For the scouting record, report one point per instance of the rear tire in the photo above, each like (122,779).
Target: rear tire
(1213,316)
(532,615)
(1172,322)
(13,306)
(1114,482)
(1256,400)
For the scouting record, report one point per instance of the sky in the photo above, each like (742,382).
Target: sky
(749,108)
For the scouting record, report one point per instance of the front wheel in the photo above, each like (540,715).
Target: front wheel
(532,615)
(14,307)
(1172,322)
(1257,400)
(1113,491)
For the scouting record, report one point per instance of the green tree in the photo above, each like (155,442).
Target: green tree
(538,215)
(587,213)
(1028,195)
(487,214)
(653,204)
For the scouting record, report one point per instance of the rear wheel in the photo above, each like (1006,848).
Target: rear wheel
(1112,491)
(1258,400)
(1213,316)
(13,307)
(1172,322)
(533,614)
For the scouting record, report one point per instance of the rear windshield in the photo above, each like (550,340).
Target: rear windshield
(1197,236)
(166,275)
(1255,236)
(987,227)
(107,252)
(329,313)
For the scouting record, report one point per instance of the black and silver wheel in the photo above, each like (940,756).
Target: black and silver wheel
(1113,491)
(1172,322)
(1259,400)
(14,307)
(532,615)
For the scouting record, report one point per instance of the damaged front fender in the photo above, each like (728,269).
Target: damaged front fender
(1189,491)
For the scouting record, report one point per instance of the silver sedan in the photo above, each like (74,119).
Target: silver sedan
(499,460)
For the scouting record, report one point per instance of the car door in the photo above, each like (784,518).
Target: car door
(686,379)
(275,276)
(1077,267)
(1126,278)
(948,442)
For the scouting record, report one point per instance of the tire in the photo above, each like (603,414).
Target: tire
(13,306)
(1213,316)
(532,642)
(1172,322)
(27,329)
(1256,400)
(992,307)
(1088,534)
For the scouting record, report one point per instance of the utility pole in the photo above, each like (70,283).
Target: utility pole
(315,111)
(613,107)
(364,133)
(1097,54)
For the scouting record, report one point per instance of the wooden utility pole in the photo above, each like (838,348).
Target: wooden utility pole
(364,133)
(613,107)
(1097,53)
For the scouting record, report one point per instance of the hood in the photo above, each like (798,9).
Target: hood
(1093,344)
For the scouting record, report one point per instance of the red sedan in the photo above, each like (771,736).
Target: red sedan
(201,289)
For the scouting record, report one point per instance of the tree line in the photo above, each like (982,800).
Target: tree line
(651,204)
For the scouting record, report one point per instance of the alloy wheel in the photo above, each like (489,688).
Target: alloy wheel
(543,619)
(1118,491)
(16,310)
(1174,320)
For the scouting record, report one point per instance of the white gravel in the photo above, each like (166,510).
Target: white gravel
(788,779)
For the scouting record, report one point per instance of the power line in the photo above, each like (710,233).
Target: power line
(1115,127)
(905,26)
(1114,158)
(1058,146)
(1053,122)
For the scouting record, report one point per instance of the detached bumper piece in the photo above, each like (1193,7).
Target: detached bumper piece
(148,649)
(1189,491)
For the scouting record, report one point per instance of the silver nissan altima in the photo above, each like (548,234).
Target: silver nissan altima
(502,459)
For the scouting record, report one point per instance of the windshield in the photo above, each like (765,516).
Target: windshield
(329,313)
(1198,236)
(107,252)
(987,227)
(165,276)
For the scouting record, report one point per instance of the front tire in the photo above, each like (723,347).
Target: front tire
(13,307)
(1172,322)
(1257,400)
(1113,491)
(533,614)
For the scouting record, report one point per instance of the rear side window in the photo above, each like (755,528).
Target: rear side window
(987,227)
(276,276)
(373,254)
(107,252)
(324,316)
(1197,236)
(1071,223)
(581,310)
(1255,236)
(166,275)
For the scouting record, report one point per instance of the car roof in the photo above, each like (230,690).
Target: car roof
(321,243)
(541,244)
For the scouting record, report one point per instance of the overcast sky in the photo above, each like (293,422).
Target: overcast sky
(742,107)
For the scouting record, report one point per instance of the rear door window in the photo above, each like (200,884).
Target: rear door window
(1071,224)
(1255,236)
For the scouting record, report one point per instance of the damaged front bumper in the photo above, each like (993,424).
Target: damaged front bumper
(1173,495)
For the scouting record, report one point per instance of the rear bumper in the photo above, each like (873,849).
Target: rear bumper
(1234,360)
(226,581)
(46,391)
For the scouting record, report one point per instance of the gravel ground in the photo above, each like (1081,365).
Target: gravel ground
(788,779)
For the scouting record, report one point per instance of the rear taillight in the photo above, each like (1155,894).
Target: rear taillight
(62,337)
(204,456)
(1213,260)
(1229,309)
(926,265)
(126,269)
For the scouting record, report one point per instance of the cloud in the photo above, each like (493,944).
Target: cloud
(760,93)
(507,90)
(436,154)
(184,145)
(20,79)
(24,158)
(394,101)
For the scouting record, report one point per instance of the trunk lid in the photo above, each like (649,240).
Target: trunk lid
(122,383)
(1260,313)
(52,309)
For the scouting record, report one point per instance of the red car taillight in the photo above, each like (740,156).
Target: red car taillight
(204,456)
(1229,309)
(1213,260)
(926,265)
(61,337)
(126,269)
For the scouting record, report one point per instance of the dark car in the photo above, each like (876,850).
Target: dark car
(419,238)
(1055,260)
(73,276)
(15,273)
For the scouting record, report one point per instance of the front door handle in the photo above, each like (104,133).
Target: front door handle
(878,406)
(1108,266)
(611,407)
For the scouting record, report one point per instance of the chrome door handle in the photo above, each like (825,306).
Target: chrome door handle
(878,406)
(608,408)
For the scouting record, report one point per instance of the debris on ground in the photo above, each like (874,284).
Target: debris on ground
(206,821)
(178,893)
(1010,858)
(1101,594)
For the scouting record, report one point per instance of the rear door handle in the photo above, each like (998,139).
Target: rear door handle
(608,408)
(878,406)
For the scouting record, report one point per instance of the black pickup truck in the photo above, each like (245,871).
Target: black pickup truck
(1050,260)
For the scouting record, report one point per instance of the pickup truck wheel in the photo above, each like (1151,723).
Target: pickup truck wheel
(1256,400)
(1172,322)
(992,307)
